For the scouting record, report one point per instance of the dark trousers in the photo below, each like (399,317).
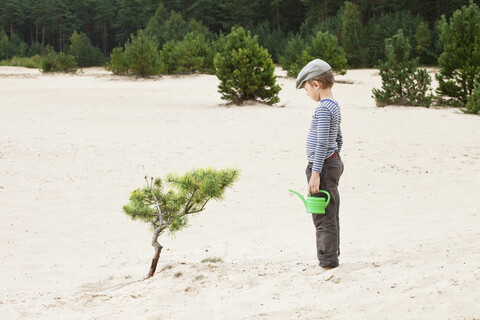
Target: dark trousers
(327,226)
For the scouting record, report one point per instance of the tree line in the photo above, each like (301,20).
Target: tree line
(32,27)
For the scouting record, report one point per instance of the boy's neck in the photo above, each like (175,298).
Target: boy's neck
(326,94)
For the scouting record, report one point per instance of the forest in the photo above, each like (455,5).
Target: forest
(29,28)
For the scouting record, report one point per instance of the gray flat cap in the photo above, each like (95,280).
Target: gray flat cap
(313,69)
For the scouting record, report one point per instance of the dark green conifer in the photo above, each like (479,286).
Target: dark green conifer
(402,82)
(245,70)
(460,61)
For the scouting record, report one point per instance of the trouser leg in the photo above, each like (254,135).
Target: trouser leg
(327,228)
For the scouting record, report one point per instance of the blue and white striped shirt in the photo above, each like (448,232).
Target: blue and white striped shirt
(325,135)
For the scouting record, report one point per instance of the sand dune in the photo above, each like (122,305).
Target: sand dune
(73,147)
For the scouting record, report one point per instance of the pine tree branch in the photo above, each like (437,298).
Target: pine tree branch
(189,204)
(156,202)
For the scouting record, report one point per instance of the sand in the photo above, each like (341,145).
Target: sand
(72,148)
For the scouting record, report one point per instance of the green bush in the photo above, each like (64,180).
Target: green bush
(245,70)
(325,46)
(34,62)
(59,62)
(402,82)
(473,101)
(118,62)
(192,54)
(460,61)
(142,56)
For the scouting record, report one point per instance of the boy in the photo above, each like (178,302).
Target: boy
(324,143)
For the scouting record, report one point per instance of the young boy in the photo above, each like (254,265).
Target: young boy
(324,143)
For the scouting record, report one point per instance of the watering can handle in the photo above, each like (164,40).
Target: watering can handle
(328,195)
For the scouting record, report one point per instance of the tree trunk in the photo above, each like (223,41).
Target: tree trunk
(105,37)
(156,257)
(43,36)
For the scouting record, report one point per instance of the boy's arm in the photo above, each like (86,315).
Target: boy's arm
(339,140)
(323,131)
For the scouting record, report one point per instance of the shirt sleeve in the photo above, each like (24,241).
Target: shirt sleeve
(339,140)
(323,131)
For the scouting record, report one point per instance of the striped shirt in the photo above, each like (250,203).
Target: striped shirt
(325,135)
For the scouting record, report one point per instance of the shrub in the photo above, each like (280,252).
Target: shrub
(169,209)
(460,61)
(118,62)
(192,54)
(473,101)
(59,62)
(402,82)
(324,46)
(245,70)
(34,62)
(142,56)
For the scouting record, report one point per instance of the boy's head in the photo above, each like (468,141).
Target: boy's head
(316,70)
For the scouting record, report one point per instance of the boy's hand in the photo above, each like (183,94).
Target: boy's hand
(314,183)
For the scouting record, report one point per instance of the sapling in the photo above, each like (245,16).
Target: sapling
(169,208)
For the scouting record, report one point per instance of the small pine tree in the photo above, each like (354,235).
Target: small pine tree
(460,61)
(423,39)
(325,46)
(245,70)
(402,82)
(142,56)
(118,62)
(473,101)
(192,54)
(169,209)
(59,62)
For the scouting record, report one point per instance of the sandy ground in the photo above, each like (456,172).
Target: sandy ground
(73,147)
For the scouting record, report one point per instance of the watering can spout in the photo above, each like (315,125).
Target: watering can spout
(300,196)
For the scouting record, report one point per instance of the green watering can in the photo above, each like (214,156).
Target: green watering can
(314,205)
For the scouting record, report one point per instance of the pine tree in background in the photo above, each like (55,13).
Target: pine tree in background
(59,62)
(83,51)
(351,31)
(193,54)
(325,46)
(291,58)
(142,56)
(169,208)
(402,82)
(473,101)
(245,70)
(118,62)
(423,39)
(460,61)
